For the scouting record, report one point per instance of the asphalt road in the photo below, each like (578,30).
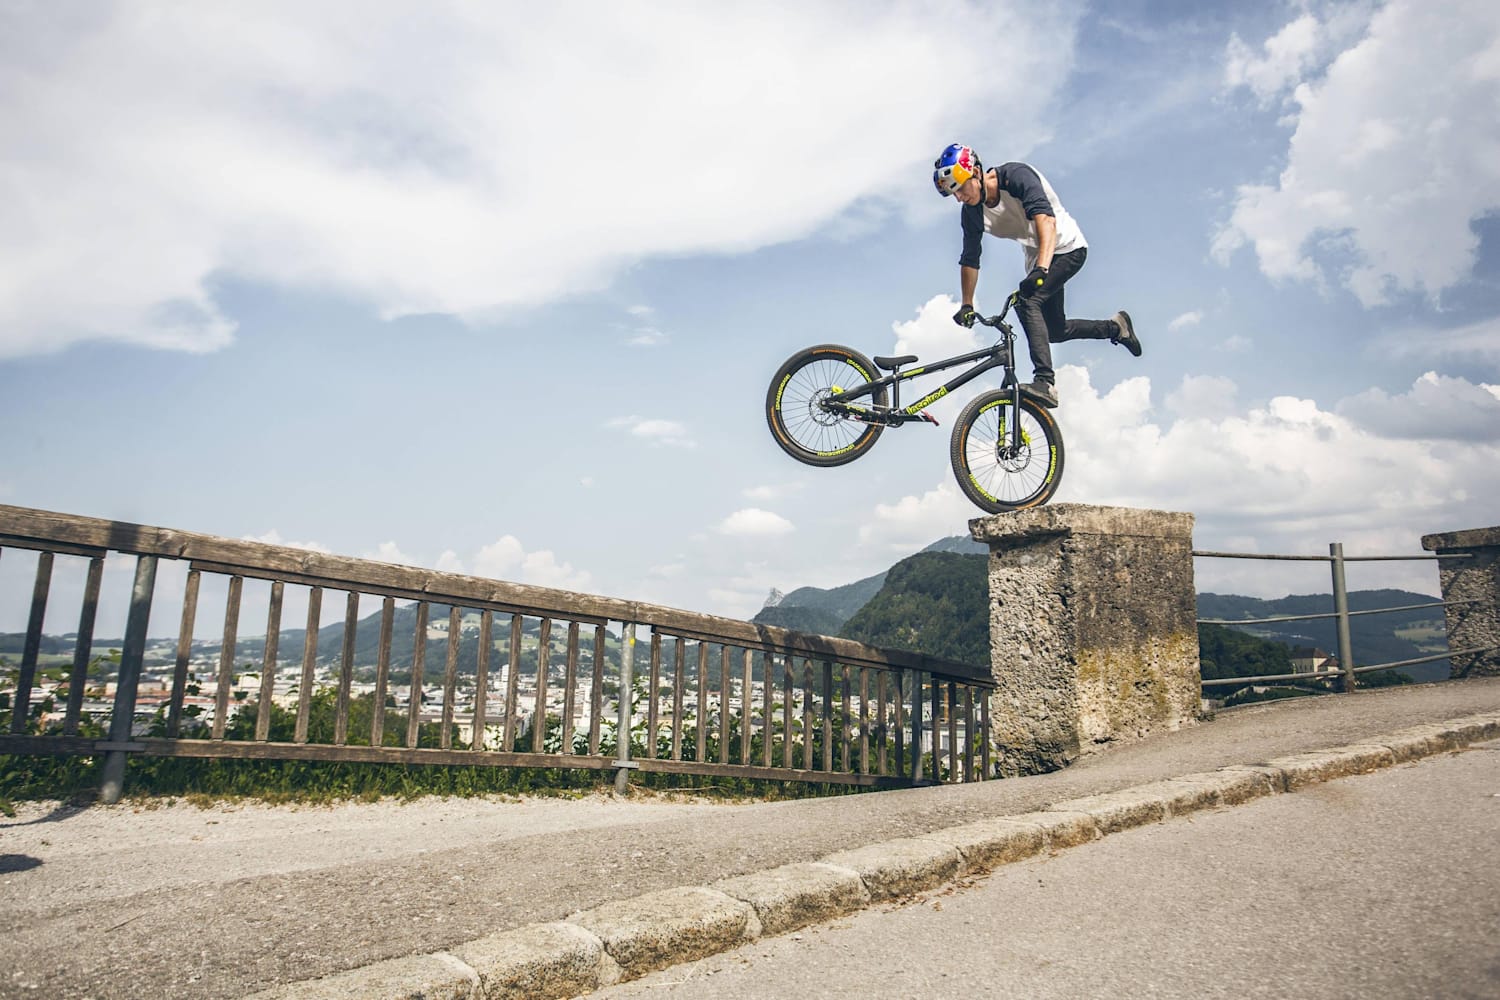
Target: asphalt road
(1384,885)
(113,902)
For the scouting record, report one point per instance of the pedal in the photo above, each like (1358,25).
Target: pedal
(930,418)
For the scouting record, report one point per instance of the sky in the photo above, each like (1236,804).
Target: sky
(499,288)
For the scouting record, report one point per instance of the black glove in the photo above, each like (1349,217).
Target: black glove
(1032,282)
(965,315)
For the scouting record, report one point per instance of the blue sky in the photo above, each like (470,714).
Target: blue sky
(499,288)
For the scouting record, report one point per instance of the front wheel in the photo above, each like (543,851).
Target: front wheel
(799,422)
(992,468)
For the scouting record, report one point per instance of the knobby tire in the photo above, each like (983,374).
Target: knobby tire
(997,482)
(802,428)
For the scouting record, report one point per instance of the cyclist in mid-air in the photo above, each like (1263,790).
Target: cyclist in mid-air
(1014,201)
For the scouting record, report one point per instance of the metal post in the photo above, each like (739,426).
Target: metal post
(623,764)
(1341,608)
(131,656)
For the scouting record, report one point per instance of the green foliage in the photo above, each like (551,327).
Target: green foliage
(203,779)
(1247,696)
(1383,678)
(1376,638)
(935,603)
(1226,652)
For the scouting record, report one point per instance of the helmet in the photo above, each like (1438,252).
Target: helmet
(955,166)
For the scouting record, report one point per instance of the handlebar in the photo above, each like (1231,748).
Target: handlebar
(999,317)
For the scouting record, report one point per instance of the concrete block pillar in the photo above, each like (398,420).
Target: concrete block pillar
(1093,633)
(1471,573)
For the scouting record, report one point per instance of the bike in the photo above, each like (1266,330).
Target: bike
(827,406)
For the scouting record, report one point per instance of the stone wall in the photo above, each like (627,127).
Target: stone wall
(1471,574)
(1093,635)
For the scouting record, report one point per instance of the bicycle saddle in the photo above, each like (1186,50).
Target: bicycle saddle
(891,364)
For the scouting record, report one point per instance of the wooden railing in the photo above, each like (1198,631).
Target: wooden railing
(720,696)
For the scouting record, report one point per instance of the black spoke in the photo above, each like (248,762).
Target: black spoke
(998,468)
(801,422)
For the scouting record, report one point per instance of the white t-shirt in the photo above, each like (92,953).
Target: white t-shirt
(1024,194)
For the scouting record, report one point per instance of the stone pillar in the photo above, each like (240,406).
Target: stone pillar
(1477,579)
(1093,633)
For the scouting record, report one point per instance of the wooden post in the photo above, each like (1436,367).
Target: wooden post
(122,722)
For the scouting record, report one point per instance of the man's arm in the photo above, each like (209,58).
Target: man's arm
(968,281)
(1046,239)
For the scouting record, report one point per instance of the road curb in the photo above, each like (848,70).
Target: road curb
(628,938)
(794,896)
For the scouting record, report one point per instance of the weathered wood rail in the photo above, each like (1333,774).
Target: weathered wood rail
(721,697)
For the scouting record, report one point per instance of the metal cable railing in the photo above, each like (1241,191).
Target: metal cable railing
(1347,670)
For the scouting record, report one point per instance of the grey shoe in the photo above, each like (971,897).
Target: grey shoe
(1043,392)
(1126,335)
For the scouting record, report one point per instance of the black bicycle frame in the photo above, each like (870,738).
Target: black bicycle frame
(998,355)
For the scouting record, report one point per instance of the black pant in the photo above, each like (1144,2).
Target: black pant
(1043,320)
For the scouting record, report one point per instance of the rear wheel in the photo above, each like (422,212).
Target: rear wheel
(991,469)
(801,425)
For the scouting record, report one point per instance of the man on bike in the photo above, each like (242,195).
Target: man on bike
(1015,202)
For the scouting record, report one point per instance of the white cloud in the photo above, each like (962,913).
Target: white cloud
(1281,61)
(391,553)
(1186,320)
(1283,476)
(1284,465)
(273,537)
(913,522)
(1203,396)
(1438,407)
(507,559)
(642,331)
(1393,157)
(659,432)
(772,491)
(753,522)
(932,336)
(1473,342)
(645,336)
(416,163)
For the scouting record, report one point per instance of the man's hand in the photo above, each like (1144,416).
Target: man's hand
(1032,282)
(965,316)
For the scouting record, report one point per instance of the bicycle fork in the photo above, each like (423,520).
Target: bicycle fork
(1009,441)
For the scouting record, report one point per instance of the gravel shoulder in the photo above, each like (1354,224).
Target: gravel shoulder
(93,853)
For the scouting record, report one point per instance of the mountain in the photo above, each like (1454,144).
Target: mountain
(800,618)
(903,610)
(1376,638)
(813,609)
(935,602)
(962,544)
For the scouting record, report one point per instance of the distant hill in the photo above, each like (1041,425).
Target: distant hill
(935,602)
(1237,651)
(800,618)
(806,607)
(1376,638)
(834,605)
